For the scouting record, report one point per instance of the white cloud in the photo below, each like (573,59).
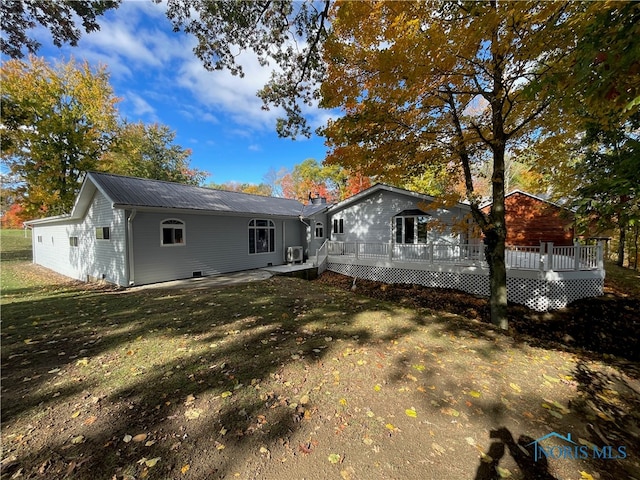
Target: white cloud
(136,43)
(225,92)
(141,107)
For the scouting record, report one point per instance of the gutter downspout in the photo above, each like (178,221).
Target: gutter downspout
(130,242)
(307,235)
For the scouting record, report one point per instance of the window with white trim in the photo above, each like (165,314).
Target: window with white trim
(262,236)
(172,232)
(412,228)
(103,233)
(319,230)
(338,225)
(73,241)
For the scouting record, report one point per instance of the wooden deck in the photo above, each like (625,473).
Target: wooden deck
(542,277)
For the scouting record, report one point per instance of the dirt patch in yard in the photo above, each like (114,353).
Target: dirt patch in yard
(289,379)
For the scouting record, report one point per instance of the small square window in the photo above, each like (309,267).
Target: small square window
(338,225)
(39,238)
(103,233)
(73,241)
(172,232)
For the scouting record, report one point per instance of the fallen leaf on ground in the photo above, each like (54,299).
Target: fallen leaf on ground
(193,413)
(185,468)
(141,437)
(438,449)
(334,458)
(91,420)
(503,472)
(411,412)
(451,411)
(149,462)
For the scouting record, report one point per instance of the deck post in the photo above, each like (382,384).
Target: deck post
(576,253)
(391,250)
(357,248)
(549,265)
(431,253)
(600,255)
(541,256)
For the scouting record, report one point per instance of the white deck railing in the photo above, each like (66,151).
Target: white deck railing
(544,257)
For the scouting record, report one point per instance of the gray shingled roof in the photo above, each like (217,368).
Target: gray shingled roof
(139,192)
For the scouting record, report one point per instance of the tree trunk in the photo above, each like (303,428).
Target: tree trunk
(494,253)
(636,232)
(621,245)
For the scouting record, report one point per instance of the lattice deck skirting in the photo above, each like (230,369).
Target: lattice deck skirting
(540,291)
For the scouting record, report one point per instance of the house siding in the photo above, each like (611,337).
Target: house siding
(371,219)
(214,244)
(314,242)
(92,258)
(530,221)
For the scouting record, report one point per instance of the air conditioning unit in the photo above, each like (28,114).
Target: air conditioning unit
(294,254)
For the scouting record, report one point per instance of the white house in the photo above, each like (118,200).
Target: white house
(133,231)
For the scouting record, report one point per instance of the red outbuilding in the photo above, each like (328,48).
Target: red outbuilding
(531,220)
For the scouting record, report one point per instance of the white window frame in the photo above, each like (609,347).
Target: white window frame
(73,241)
(173,224)
(100,231)
(338,226)
(416,233)
(319,229)
(270,230)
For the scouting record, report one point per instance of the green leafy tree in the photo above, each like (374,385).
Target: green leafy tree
(608,190)
(58,121)
(251,188)
(148,151)
(18,17)
(311,179)
(602,73)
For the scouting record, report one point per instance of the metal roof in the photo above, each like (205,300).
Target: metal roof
(140,192)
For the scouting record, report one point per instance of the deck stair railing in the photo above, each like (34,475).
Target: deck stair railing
(321,257)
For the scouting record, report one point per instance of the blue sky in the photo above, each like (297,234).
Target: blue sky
(159,79)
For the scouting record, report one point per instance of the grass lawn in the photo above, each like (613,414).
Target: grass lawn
(284,379)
